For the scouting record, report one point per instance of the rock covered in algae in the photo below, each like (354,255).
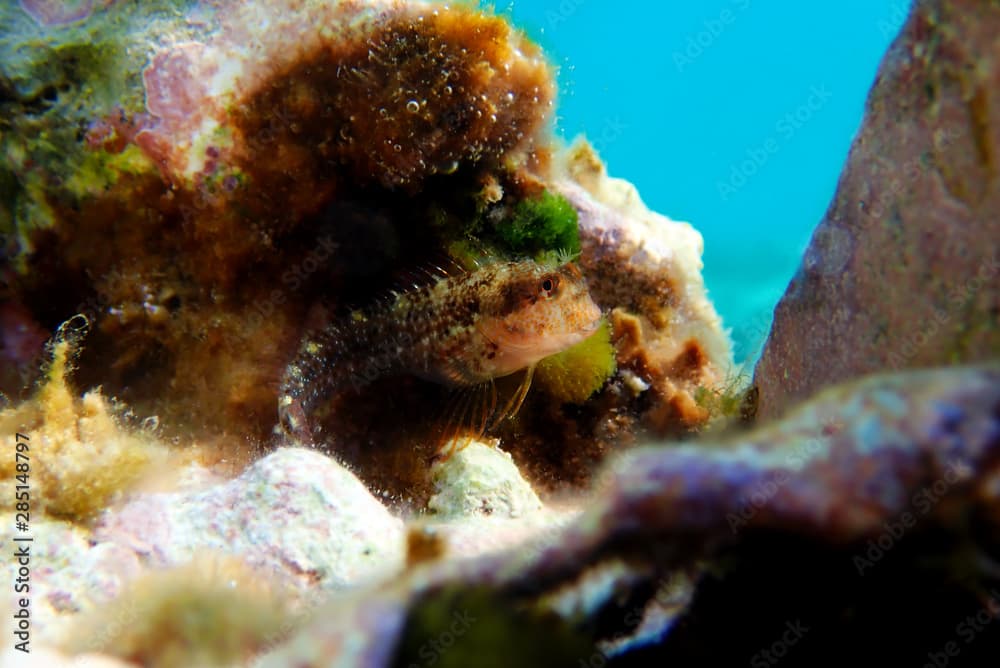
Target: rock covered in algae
(211,612)
(829,481)
(646,270)
(253,171)
(903,270)
(296,516)
(205,143)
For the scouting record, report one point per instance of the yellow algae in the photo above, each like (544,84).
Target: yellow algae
(727,399)
(79,457)
(576,373)
(214,611)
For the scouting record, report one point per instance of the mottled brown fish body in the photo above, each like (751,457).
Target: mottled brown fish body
(461,330)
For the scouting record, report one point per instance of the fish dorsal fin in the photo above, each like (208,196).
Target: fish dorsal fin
(429,272)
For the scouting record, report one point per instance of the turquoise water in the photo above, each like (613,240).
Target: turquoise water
(735,115)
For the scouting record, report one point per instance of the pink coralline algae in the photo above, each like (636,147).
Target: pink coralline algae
(176,95)
(58,12)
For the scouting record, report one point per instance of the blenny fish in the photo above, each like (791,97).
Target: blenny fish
(460,330)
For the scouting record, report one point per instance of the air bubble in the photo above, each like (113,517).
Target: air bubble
(413,106)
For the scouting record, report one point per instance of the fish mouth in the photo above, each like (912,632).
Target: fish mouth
(596,318)
(593,325)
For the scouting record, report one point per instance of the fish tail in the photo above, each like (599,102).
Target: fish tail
(338,359)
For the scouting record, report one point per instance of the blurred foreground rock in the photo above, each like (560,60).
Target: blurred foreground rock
(857,494)
(903,271)
(866,513)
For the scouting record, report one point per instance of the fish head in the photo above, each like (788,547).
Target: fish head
(535,311)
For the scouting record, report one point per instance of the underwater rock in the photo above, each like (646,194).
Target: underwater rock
(70,574)
(396,92)
(481,479)
(295,515)
(912,450)
(205,143)
(903,270)
(58,12)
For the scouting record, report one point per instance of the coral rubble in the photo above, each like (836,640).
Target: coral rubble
(480,479)
(295,516)
(72,575)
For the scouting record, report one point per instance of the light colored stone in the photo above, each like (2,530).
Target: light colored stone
(67,573)
(481,480)
(296,514)
(641,247)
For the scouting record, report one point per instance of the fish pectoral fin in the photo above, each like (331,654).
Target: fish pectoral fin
(468,416)
(514,403)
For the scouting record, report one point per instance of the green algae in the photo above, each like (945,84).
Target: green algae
(54,83)
(575,374)
(463,626)
(544,227)
(546,223)
(733,398)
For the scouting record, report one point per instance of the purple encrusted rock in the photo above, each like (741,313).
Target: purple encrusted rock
(903,271)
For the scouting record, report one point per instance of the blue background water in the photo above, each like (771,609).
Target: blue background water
(735,115)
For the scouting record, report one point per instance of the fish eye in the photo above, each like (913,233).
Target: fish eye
(550,284)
